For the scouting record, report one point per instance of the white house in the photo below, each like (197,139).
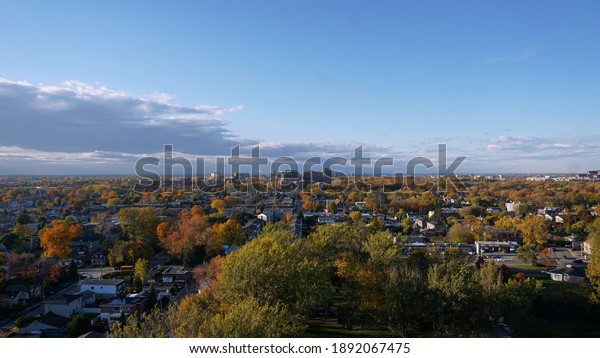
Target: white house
(98,259)
(567,274)
(513,206)
(65,306)
(266,215)
(105,288)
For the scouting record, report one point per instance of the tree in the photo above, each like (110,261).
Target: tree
(579,227)
(528,253)
(517,298)
(78,326)
(229,233)
(461,234)
(407,226)
(23,231)
(376,224)
(318,206)
(252,319)
(308,205)
(547,257)
(3,263)
(456,293)
(332,207)
(219,205)
(9,240)
(104,224)
(534,230)
(72,272)
(127,252)
(190,232)
(593,269)
(57,237)
(140,224)
(151,298)
(140,272)
(264,268)
(355,216)
(508,223)
(23,219)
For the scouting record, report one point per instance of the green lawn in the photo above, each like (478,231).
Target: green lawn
(331,329)
(118,274)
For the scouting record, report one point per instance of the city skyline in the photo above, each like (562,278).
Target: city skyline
(89,88)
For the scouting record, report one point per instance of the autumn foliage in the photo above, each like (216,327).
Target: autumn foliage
(57,237)
(191,231)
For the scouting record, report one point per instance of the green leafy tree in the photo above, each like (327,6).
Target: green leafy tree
(229,233)
(9,240)
(140,224)
(78,326)
(3,262)
(151,298)
(407,226)
(534,230)
(456,295)
(460,233)
(508,223)
(140,272)
(593,268)
(264,268)
(251,319)
(72,272)
(355,216)
(528,253)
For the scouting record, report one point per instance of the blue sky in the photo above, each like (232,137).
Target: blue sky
(89,86)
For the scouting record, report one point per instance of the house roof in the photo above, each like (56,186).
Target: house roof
(65,299)
(54,320)
(102,281)
(85,295)
(16,289)
(92,334)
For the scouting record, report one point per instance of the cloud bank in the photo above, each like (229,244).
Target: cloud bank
(78,128)
(78,117)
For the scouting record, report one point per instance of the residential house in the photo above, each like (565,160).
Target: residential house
(65,306)
(568,274)
(49,324)
(513,206)
(587,247)
(360,205)
(103,288)
(326,219)
(267,216)
(174,274)
(98,259)
(252,229)
(21,293)
(112,310)
(421,223)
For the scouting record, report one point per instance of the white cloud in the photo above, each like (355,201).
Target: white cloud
(519,56)
(80,117)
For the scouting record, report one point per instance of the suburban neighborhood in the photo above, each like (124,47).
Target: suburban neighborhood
(81,256)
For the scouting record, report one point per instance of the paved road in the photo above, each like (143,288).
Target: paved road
(94,272)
